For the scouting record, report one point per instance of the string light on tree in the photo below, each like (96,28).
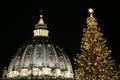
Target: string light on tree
(94,62)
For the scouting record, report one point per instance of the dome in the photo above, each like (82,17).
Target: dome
(40,59)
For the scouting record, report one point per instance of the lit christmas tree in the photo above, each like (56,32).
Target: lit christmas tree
(95,62)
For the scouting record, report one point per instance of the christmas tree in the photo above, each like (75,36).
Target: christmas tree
(95,61)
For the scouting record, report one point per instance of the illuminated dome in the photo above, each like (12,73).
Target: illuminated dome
(40,59)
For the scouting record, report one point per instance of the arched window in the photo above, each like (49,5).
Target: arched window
(27,61)
(51,61)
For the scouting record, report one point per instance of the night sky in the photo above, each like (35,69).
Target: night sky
(65,22)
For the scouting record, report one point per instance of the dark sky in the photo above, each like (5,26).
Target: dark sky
(65,22)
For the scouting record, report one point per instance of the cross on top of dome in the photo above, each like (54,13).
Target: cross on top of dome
(41,22)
